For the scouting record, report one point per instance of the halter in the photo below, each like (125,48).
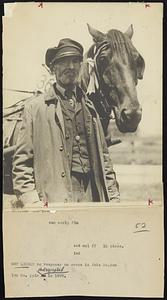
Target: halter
(94,81)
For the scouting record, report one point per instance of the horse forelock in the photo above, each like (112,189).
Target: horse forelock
(120,44)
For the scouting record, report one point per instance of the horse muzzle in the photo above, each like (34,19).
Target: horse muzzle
(128,119)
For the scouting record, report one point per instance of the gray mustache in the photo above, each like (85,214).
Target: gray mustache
(69,72)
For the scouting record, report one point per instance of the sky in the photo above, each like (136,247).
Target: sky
(29,30)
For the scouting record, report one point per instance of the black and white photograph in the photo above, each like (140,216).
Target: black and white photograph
(82,125)
(82,104)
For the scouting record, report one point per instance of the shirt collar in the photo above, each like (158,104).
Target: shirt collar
(62,90)
(50,95)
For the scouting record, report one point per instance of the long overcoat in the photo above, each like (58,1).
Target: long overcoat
(41,164)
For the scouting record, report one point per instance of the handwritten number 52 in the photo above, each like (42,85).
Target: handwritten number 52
(140,227)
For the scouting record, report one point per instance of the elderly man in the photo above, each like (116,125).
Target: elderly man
(61,153)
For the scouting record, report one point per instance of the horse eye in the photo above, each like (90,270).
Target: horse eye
(140,67)
(102,59)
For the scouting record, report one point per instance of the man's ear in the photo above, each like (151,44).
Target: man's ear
(53,70)
(97,35)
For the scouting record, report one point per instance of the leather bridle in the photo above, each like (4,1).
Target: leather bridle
(105,101)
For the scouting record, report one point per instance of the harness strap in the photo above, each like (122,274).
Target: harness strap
(19,91)
(94,78)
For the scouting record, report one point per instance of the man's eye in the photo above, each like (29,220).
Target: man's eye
(76,60)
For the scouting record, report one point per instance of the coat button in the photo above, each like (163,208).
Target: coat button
(77,138)
(61,148)
(63,174)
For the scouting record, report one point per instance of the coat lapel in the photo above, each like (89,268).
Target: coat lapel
(88,112)
(60,116)
(51,96)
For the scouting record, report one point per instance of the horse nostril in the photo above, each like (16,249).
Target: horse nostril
(132,113)
(126,113)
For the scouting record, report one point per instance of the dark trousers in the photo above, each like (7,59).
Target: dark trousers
(84,189)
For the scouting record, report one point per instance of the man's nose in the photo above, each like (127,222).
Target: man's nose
(71,64)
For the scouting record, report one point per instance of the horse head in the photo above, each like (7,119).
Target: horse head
(110,70)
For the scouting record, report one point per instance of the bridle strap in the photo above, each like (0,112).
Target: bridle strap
(94,81)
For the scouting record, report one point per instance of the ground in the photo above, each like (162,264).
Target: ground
(139,182)
(138,165)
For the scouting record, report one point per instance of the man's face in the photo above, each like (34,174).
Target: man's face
(67,70)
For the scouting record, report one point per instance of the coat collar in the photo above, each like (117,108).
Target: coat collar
(51,95)
(63,90)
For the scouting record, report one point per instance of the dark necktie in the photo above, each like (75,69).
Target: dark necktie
(70,97)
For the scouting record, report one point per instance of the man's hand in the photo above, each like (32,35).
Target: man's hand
(27,199)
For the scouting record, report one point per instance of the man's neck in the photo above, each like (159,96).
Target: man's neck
(67,86)
(62,89)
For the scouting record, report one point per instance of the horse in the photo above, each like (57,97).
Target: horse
(109,75)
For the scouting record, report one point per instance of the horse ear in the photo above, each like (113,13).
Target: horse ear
(97,35)
(140,67)
(129,31)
